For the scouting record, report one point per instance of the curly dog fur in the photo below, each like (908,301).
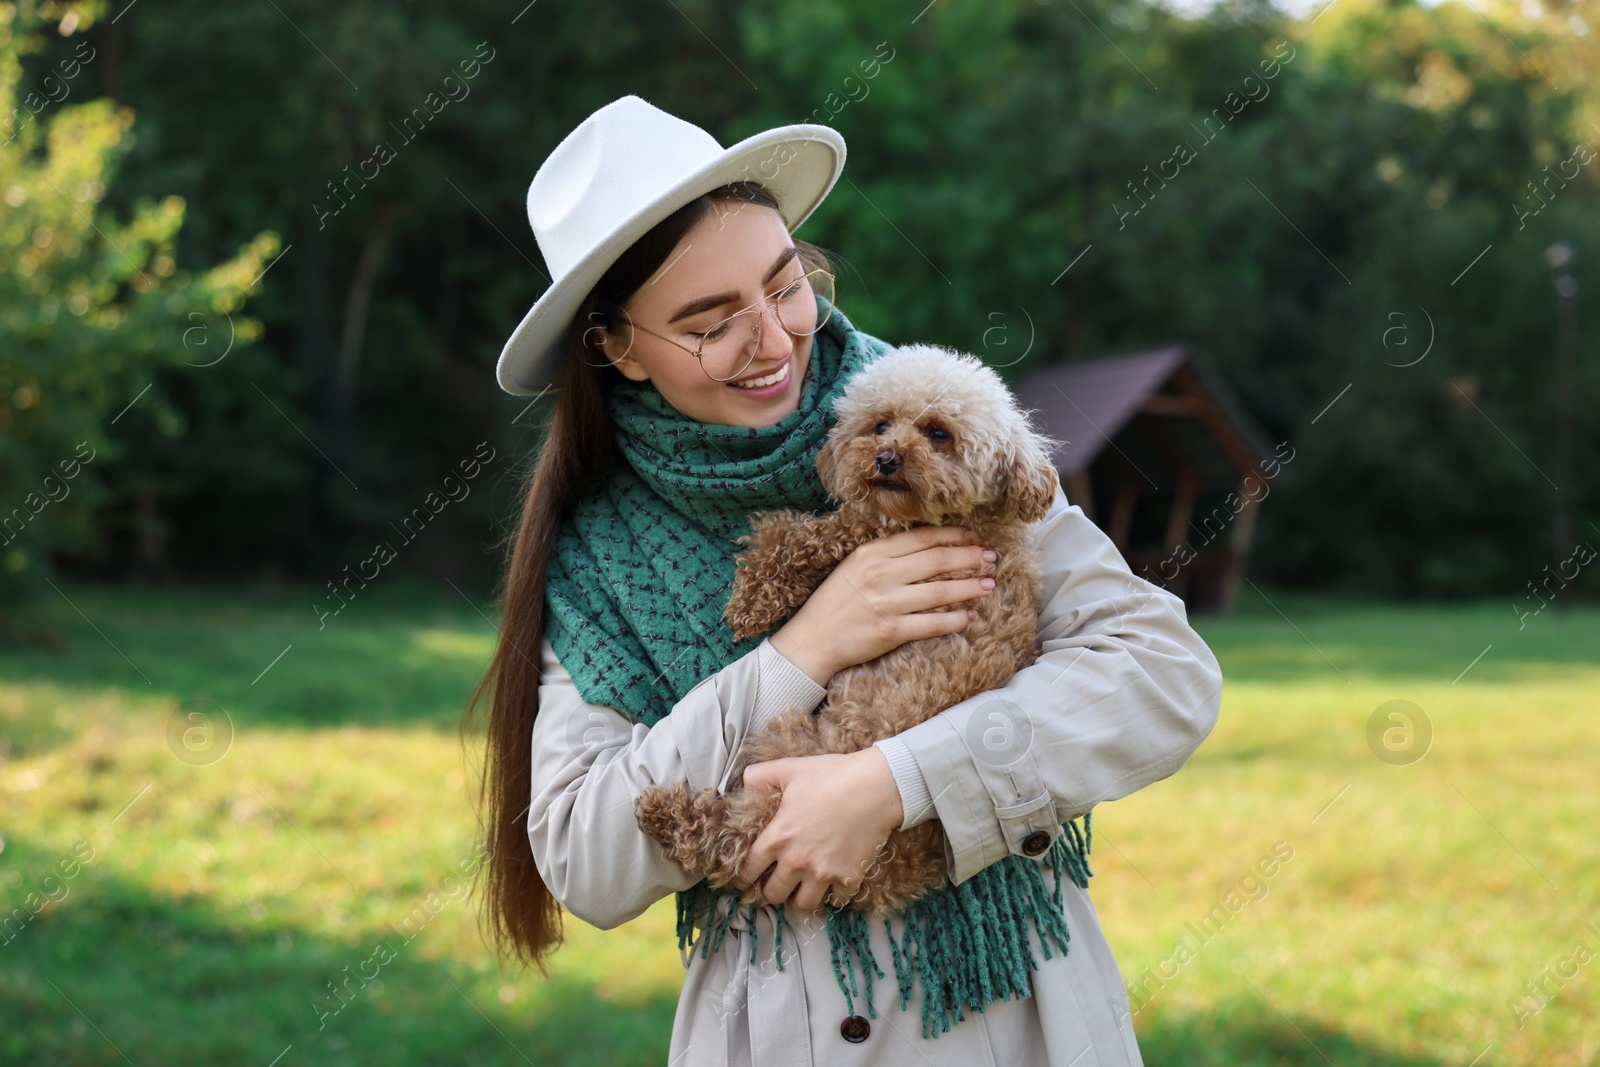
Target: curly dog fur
(924,435)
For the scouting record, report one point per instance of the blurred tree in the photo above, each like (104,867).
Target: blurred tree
(93,307)
(1034,180)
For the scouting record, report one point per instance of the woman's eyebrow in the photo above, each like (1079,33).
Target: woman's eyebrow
(706,303)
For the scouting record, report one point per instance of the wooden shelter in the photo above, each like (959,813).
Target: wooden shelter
(1163,458)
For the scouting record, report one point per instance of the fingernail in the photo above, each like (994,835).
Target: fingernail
(987,583)
(989,556)
(971,614)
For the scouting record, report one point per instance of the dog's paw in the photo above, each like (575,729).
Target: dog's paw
(660,811)
(754,608)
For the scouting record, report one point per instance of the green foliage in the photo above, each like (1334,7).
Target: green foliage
(94,308)
(1326,181)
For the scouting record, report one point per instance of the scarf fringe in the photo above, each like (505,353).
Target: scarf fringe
(968,944)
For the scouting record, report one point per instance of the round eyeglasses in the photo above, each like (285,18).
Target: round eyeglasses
(726,350)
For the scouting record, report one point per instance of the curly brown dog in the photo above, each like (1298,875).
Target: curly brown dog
(924,435)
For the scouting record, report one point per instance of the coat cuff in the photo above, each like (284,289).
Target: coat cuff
(964,800)
(781,686)
(915,797)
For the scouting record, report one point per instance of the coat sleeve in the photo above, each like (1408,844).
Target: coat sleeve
(1122,694)
(590,763)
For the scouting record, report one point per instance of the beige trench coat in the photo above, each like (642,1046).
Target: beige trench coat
(1122,694)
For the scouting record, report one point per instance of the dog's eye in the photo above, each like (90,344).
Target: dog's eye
(881,427)
(938,433)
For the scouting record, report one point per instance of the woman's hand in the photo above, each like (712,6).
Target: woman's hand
(878,598)
(836,813)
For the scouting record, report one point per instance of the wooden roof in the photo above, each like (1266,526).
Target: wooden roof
(1159,410)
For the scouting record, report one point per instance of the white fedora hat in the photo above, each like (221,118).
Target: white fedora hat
(624,169)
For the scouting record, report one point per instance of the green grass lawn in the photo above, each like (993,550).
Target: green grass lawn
(215,900)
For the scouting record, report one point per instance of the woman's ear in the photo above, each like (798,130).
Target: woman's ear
(617,351)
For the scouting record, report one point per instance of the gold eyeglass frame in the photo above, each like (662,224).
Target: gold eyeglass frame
(765,305)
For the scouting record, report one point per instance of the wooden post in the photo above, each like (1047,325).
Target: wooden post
(1182,507)
(1078,492)
(1238,548)
(1122,513)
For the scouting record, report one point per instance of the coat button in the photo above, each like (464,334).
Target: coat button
(1035,843)
(855,1029)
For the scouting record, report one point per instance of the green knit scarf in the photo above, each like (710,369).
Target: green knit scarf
(639,576)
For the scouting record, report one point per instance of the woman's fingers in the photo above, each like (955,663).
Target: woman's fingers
(939,594)
(937,557)
(809,896)
(780,885)
(754,864)
(828,834)
(915,574)
(904,583)
(882,595)
(918,538)
(927,624)
(767,774)
(945,558)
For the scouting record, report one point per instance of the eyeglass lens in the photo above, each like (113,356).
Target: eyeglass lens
(803,307)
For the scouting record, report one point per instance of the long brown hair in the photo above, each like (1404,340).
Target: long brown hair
(524,919)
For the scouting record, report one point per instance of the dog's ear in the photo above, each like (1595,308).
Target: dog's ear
(828,463)
(1030,478)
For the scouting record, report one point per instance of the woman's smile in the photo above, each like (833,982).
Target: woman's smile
(740,259)
(765,386)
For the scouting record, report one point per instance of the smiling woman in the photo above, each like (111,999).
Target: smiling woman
(737,351)
(698,358)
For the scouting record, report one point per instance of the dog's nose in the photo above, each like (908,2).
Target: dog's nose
(888,462)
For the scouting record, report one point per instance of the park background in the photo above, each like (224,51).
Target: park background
(226,371)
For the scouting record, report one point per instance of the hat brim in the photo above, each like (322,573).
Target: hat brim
(531,358)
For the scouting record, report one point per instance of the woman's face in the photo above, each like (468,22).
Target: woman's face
(735,256)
